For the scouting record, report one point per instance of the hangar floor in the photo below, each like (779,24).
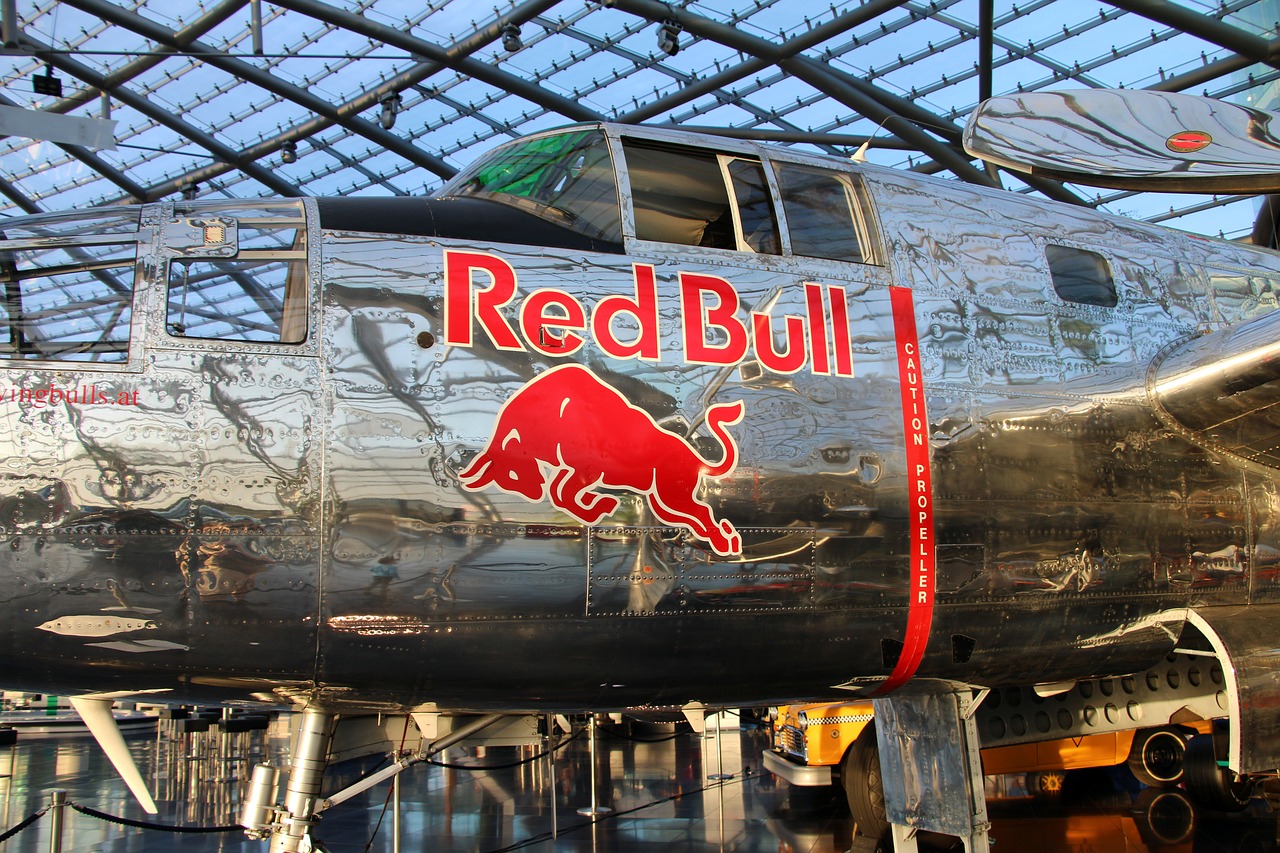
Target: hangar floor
(659,793)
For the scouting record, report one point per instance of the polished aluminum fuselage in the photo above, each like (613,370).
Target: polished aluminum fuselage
(287,521)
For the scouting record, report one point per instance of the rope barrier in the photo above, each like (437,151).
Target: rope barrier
(141,824)
(7,834)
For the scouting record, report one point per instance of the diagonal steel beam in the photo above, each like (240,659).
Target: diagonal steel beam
(836,26)
(867,100)
(410,77)
(183,37)
(162,116)
(18,197)
(214,16)
(93,161)
(463,64)
(1254,48)
(271,83)
(1212,71)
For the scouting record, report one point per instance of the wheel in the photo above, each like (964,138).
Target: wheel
(1046,784)
(860,776)
(1212,786)
(1164,816)
(1156,758)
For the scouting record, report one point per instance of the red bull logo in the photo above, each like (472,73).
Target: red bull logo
(569,436)
(480,291)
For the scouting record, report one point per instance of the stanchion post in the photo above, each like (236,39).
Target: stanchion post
(395,824)
(594,808)
(719,775)
(57,805)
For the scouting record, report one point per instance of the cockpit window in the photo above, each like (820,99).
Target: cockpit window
(757,221)
(567,178)
(678,195)
(67,284)
(826,213)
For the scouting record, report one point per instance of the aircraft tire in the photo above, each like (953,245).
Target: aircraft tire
(863,785)
(1157,757)
(1212,786)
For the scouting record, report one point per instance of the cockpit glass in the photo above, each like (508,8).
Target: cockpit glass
(567,178)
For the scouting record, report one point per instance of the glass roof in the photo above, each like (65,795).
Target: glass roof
(384,97)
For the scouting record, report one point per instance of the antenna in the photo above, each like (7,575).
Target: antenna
(860,156)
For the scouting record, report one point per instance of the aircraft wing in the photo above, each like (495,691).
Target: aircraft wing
(1130,139)
(1223,389)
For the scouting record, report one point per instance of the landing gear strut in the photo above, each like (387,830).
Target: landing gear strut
(290,827)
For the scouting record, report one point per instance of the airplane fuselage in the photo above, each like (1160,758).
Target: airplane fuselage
(762,473)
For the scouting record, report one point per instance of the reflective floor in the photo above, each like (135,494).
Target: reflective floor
(659,793)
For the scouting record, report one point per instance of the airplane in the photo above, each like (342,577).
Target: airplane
(628,417)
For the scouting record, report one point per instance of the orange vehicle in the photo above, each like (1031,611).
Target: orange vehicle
(826,743)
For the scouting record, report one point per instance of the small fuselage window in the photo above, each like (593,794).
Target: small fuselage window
(259,294)
(1081,276)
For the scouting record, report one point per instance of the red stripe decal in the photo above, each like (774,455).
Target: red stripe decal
(915,425)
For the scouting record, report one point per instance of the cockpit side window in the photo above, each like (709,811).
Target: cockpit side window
(567,178)
(678,195)
(72,302)
(694,197)
(257,292)
(825,212)
(757,222)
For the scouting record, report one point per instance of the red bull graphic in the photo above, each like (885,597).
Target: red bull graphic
(567,435)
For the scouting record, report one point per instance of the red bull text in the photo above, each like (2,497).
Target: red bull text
(553,322)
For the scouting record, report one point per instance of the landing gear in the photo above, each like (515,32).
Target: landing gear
(860,778)
(1156,757)
(1211,785)
(289,828)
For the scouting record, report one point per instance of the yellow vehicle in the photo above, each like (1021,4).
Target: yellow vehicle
(825,743)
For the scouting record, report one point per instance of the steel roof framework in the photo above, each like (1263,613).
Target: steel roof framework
(206,100)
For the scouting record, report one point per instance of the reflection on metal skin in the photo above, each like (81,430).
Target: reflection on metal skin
(1130,139)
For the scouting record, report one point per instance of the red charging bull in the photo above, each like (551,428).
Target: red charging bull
(569,436)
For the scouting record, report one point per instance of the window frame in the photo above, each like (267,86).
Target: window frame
(129,265)
(306,344)
(862,211)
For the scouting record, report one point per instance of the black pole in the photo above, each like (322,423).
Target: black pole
(986,42)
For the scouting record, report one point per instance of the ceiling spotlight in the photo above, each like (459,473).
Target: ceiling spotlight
(390,109)
(47,84)
(511,38)
(289,152)
(669,37)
